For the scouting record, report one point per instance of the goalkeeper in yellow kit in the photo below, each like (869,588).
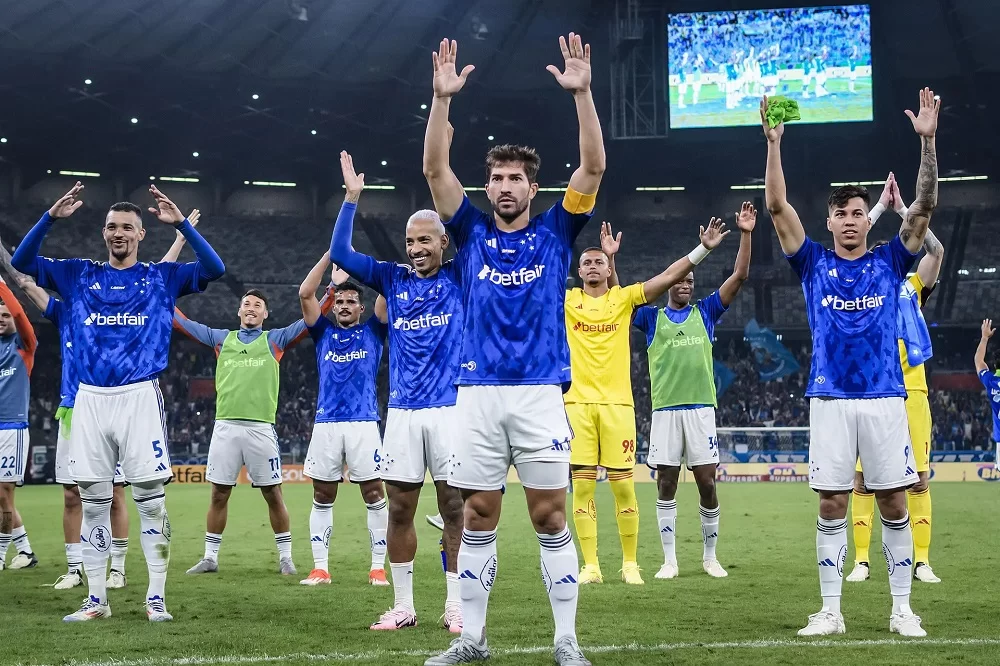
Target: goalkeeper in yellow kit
(914,350)
(599,403)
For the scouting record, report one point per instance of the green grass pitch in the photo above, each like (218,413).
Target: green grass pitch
(249,614)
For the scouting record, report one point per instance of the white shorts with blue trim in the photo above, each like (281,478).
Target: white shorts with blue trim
(355,444)
(842,430)
(119,423)
(62,459)
(14,445)
(683,433)
(238,443)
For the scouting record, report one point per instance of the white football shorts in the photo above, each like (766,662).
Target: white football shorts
(14,445)
(683,433)
(238,443)
(354,443)
(416,441)
(62,455)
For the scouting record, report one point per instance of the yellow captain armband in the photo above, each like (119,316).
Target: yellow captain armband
(575,202)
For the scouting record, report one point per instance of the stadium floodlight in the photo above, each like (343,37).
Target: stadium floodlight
(271,183)
(955,179)
(551,189)
(664,188)
(3,139)
(152,177)
(246,182)
(87,82)
(489,138)
(255,96)
(384,163)
(179,179)
(313,132)
(134,120)
(84,174)
(423,107)
(48,171)
(195,154)
(374,187)
(746,187)
(858,182)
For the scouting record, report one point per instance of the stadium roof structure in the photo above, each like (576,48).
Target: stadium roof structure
(273,89)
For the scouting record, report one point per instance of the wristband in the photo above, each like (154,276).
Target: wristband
(697,255)
(876,211)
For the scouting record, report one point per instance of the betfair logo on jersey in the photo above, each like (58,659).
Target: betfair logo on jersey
(7,372)
(423,321)
(855,304)
(681,340)
(584,327)
(116,319)
(248,362)
(356,355)
(512,279)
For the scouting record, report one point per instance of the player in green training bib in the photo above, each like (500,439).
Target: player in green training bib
(246,389)
(682,386)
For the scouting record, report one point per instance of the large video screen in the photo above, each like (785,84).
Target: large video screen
(721,63)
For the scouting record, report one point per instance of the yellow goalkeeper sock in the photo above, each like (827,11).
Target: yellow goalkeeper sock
(585,513)
(862,515)
(919,506)
(627,512)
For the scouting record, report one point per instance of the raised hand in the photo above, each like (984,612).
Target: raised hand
(447,80)
(746,218)
(886,197)
(166,211)
(713,234)
(353,181)
(609,242)
(576,65)
(925,121)
(193,218)
(772,133)
(988,329)
(67,203)
(338,275)
(897,199)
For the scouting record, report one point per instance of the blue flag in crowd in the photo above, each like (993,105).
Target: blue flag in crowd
(723,378)
(774,360)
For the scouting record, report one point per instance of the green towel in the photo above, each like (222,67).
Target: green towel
(781,110)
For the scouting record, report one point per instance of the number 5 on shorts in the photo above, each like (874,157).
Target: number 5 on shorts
(157,449)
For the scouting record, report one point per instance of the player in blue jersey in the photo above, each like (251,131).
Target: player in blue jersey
(122,313)
(991,381)
(515,357)
(247,383)
(856,390)
(54,310)
(17,358)
(348,354)
(425,338)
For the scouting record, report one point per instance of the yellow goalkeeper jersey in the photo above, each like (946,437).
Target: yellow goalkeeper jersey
(914,378)
(599,350)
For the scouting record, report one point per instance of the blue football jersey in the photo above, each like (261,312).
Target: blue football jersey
(347,360)
(425,333)
(55,312)
(513,291)
(992,383)
(119,319)
(851,306)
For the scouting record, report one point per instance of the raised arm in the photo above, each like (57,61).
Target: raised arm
(710,237)
(341,252)
(445,187)
(167,212)
(179,242)
(29,343)
(38,296)
(611,244)
(25,257)
(381,309)
(746,219)
(307,291)
(576,79)
(987,333)
(791,234)
(918,217)
(210,337)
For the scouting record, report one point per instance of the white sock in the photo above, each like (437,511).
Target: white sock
(402,584)
(320,529)
(559,570)
(20,537)
(74,557)
(666,515)
(213,543)
(95,536)
(454,597)
(897,546)
(709,530)
(154,528)
(283,541)
(119,548)
(477,562)
(831,551)
(4,544)
(378,523)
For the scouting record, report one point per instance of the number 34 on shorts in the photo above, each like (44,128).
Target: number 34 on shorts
(602,435)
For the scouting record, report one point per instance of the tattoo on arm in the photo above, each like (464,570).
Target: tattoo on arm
(919,213)
(932,245)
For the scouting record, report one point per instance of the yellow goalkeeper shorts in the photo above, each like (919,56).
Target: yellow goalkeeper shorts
(602,435)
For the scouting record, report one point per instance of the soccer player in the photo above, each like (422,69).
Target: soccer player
(246,402)
(599,402)
(17,357)
(992,383)
(515,358)
(348,354)
(856,380)
(852,67)
(914,351)
(425,307)
(121,313)
(53,309)
(682,388)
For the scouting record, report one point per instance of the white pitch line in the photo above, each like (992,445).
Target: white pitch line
(340,657)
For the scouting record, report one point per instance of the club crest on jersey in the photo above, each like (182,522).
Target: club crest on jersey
(514,278)
(116,319)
